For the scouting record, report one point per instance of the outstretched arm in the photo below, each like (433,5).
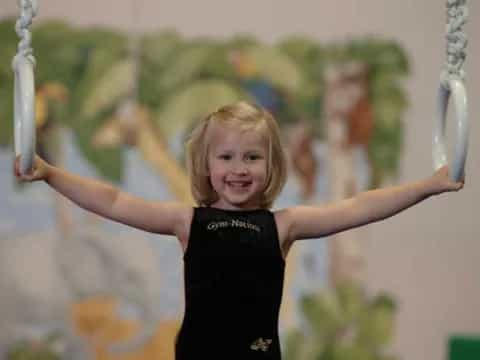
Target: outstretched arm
(312,222)
(108,201)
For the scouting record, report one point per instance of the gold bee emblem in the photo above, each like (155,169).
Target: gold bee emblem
(261,344)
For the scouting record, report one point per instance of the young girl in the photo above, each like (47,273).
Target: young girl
(234,246)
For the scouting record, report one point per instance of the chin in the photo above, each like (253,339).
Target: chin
(241,203)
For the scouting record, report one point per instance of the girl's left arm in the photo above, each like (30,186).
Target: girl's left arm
(306,222)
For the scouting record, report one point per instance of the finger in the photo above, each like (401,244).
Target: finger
(31,171)
(18,172)
(16,165)
(27,178)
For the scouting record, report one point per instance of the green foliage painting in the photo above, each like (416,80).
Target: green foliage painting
(343,324)
(91,72)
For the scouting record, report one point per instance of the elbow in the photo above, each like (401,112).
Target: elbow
(105,203)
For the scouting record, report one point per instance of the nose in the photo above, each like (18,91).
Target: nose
(240,168)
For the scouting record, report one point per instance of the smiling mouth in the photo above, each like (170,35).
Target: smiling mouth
(238,184)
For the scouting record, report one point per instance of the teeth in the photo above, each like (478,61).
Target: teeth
(238,184)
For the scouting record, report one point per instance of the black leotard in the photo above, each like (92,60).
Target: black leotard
(233,276)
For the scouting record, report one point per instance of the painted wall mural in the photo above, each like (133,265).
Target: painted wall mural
(118,107)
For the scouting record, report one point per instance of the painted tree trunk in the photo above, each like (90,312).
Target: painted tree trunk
(349,127)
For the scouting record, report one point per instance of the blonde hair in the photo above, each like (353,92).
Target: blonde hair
(245,116)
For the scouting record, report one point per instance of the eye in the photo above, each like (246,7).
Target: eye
(253,157)
(225,156)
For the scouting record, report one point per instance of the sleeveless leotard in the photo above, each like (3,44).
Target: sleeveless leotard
(233,277)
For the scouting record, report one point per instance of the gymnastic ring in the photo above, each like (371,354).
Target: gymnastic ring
(24,111)
(457,87)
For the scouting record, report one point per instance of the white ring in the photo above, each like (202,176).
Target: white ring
(457,87)
(24,112)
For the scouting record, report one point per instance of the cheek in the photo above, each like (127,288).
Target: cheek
(261,171)
(217,174)
(217,171)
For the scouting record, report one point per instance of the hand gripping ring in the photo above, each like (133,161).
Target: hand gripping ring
(24,111)
(456,86)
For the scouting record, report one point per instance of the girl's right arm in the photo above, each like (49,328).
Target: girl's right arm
(167,218)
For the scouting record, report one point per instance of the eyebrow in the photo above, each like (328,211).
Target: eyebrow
(251,150)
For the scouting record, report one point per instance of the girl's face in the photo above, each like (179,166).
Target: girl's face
(237,164)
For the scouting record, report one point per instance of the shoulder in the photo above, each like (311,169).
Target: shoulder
(284,219)
(183,221)
(292,221)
